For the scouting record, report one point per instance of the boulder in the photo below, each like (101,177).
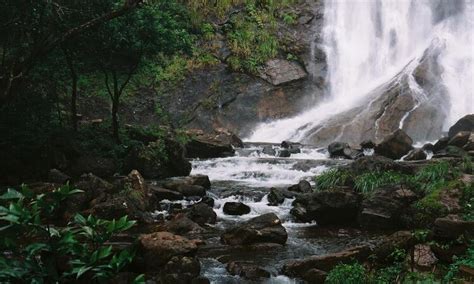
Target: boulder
(285,144)
(269,150)
(280,71)
(460,139)
(181,225)
(277,196)
(440,144)
(163,193)
(284,153)
(157,249)
(302,187)
(211,145)
(338,150)
(332,207)
(464,124)
(452,227)
(294,149)
(174,183)
(202,214)
(134,199)
(376,164)
(302,267)
(469,146)
(312,266)
(415,155)
(428,147)
(266,228)
(384,209)
(247,270)
(424,257)
(209,201)
(191,190)
(236,208)
(395,146)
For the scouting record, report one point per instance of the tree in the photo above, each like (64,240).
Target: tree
(32,29)
(122,46)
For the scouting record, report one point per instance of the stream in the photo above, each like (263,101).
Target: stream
(247,177)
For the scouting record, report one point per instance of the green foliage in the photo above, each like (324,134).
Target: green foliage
(368,182)
(37,251)
(467,165)
(289,18)
(466,260)
(433,175)
(347,273)
(332,178)
(429,208)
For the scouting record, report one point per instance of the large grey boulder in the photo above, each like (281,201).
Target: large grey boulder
(280,71)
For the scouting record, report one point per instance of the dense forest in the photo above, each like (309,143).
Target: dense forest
(108,106)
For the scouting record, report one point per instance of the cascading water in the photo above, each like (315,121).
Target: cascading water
(368,43)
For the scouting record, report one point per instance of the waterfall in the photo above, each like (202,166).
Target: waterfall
(368,42)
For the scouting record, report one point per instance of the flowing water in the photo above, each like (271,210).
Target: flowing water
(368,42)
(248,177)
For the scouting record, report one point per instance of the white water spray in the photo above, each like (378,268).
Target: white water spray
(368,42)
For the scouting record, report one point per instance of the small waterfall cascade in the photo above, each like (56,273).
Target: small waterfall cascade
(370,42)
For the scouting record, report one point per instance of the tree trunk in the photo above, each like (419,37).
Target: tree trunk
(73,90)
(115,106)
(115,120)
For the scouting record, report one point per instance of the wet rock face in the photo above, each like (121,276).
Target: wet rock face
(395,146)
(266,228)
(389,107)
(236,208)
(327,207)
(464,124)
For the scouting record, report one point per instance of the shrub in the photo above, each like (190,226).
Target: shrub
(34,250)
(347,274)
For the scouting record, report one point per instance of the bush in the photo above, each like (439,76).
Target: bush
(347,274)
(34,250)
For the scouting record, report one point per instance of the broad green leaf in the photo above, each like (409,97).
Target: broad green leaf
(11,194)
